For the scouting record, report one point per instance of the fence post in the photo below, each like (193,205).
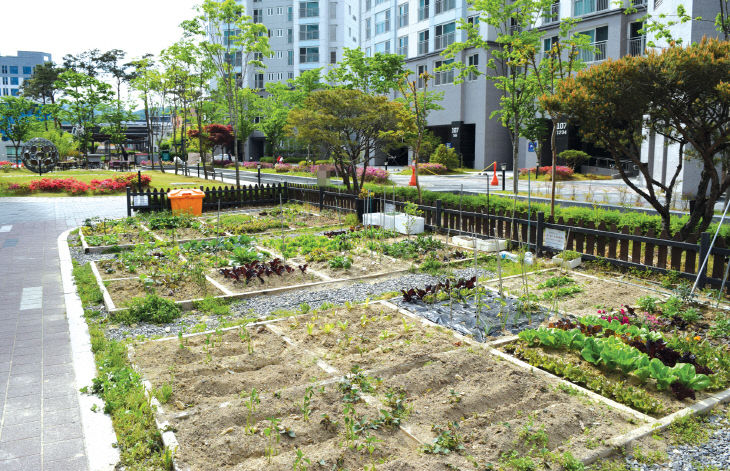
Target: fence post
(360,208)
(286,192)
(129,202)
(438,214)
(705,241)
(321,198)
(540,229)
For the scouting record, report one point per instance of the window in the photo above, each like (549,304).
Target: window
(290,35)
(441,6)
(279,54)
(258,56)
(289,13)
(402,15)
(403,46)
(423,42)
(14,69)
(234,58)
(368,52)
(382,22)
(257,15)
(308,9)
(279,10)
(270,12)
(547,46)
(308,55)
(445,35)
(473,61)
(228,36)
(257,1)
(349,9)
(333,55)
(5,80)
(14,91)
(422,69)
(444,76)
(290,57)
(333,10)
(584,7)
(27,70)
(4,69)
(308,32)
(422,9)
(280,32)
(597,52)
(5,91)
(290,75)
(368,5)
(333,32)
(382,47)
(258,81)
(473,20)
(637,41)
(552,13)
(367,28)
(13,80)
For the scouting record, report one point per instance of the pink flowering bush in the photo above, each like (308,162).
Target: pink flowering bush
(373,175)
(561,171)
(435,169)
(620,316)
(5,166)
(283,168)
(77,187)
(254,164)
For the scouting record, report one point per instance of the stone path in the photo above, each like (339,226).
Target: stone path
(40,425)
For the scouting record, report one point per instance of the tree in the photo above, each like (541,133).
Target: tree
(377,74)
(419,103)
(113,118)
(41,85)
(345,123)
(232,32)
(144,78)
(82,97)
(17,116)
(514,22)
(248,109)
(110,63)
(613,101)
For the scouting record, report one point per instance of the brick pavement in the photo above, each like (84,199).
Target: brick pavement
(40,422)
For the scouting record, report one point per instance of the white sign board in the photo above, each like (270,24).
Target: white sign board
(554,239)
(322,179)
(389,207)
(140,201)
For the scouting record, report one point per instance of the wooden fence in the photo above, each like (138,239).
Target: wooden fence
(626,248)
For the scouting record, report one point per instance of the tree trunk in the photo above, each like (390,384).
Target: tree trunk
(515,160)
(554,150)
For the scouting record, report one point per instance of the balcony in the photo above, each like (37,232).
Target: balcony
(637,46)
(595,54)
(585,7)
(422,13)
(422,47)
(515,29)
(444,41)
(552,15)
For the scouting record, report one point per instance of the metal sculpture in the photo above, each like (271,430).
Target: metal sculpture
(39,155)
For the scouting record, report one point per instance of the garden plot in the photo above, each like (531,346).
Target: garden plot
(97,239)
(270,219)
(247,400)
(262,275)
(124,290)
(572,292)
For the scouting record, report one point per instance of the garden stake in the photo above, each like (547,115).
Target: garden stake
(219,216)
(461,189)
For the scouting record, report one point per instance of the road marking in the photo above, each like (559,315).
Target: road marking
(32,298)
(5,228)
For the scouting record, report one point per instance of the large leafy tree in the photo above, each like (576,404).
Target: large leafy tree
(17,117)
(346,123)
(82,97)
(681,93)
(514,22)
(144,78)
(224,32)
(41,86)
(377,74)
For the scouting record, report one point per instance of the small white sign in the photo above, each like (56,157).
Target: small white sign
(389,207)
(322,179)
(554,238)
(140,201)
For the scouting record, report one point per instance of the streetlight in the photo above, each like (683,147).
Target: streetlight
(503,165)
(258,170)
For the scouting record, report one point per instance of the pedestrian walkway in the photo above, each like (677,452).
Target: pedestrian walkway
(40,424)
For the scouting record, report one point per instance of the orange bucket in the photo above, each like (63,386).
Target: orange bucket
(187,201)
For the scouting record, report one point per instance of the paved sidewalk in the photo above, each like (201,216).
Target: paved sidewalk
(40,424)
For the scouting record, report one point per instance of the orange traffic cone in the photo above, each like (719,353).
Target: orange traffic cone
(495,180)
(413,177)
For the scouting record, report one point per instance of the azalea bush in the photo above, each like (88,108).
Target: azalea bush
(283,168)
(373,175)
(76,187)
(254,164)
(561,171)
(5,166)
(432,169)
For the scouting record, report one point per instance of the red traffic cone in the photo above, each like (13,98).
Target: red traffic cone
(413,177)
(495,180)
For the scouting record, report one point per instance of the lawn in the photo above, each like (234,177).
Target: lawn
(159,180)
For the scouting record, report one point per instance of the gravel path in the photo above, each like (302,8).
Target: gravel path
(711,455)
(262,306)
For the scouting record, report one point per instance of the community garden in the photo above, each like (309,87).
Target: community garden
(287,337)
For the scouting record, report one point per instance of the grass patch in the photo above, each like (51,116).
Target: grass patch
(688,429)
(88,289)
(212,306)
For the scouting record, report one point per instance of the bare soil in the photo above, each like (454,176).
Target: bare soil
(185,233)
(498,409)
(362,264)
(122,291)
(596,294)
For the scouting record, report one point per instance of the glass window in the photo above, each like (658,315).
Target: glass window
(423,42)
(368,52)
(333,32)
(259,81)
(445,35)
(444,76)
(308,55)
(5,80)
(308,32)
(403,46)
(333,55)
(423,9)
(14,91)
(382,47)
(444,5)
(473,62)
(422,69)
(290,57)
(13,80)
(367,28)
(382,22)
(290,35)
(308,9)
(258,15)
(333,10)
(4,69)
(14,69)
(402,15)
(289,13)
(27,70)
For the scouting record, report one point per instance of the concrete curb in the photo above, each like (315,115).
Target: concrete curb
(99,435)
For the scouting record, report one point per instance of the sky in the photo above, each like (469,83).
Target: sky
(63,27)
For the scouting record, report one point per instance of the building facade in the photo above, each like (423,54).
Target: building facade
(14,70)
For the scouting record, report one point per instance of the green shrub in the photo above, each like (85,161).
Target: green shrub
(573,158)
(445,156)
(324,162)
(268,160)
(151,308)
